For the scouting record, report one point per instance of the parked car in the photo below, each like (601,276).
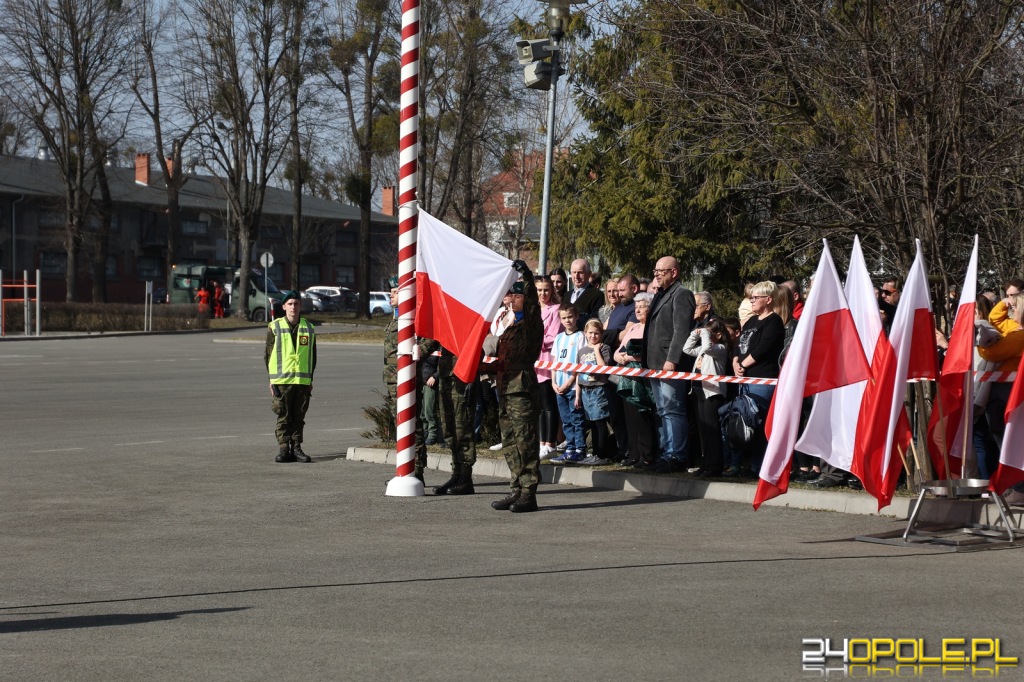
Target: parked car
(328,291)
(380,303)
(321,303)
(345,298)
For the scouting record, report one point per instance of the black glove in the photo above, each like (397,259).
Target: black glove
(520,266)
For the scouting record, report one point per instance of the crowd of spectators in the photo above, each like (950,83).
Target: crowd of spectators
(671,425)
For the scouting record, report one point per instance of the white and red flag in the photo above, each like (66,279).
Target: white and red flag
(950,427)
(1010,471)
(459,286)
(832,425)
(883,430)
(824,355)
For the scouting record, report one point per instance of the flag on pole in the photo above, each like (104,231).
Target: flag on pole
(825,354)
(883,430)
(832,425)
(459,286)
(1011,458)
(949,427)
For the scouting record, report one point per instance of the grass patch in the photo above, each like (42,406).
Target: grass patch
(358,335)
(109,317)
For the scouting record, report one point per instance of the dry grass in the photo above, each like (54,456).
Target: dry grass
(361,335)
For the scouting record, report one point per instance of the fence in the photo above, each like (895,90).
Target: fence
(8,294)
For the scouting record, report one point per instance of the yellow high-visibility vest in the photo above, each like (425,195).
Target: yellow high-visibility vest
(291,361)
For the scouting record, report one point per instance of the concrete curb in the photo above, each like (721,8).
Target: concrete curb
(671,486)
(933,510)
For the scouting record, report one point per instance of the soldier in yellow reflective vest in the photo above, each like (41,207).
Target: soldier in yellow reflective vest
(291,359)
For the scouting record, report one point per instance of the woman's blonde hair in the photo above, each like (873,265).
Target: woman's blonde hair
(764,289)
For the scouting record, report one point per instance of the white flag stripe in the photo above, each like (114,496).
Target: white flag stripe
(832,425)
(466,270)
(914,297)
(967,296)
(826,297)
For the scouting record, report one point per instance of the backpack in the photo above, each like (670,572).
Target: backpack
(742,420)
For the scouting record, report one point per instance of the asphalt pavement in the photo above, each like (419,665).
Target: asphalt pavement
(148,534)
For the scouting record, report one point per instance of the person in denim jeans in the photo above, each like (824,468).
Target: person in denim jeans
(565,349)
(668,326)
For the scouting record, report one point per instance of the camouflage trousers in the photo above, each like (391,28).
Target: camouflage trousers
(290,409)
(517,416)
(458,407)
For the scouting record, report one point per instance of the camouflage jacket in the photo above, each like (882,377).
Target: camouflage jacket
(519,345)
(426,347)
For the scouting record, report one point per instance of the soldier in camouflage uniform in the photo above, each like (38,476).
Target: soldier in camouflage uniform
(426,346)
(518,409)
(458,405)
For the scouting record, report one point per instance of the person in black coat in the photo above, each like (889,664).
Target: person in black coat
(587,299)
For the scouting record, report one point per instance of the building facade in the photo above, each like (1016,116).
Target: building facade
(33,231)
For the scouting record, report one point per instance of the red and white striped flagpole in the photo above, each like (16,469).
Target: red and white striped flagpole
(405,484)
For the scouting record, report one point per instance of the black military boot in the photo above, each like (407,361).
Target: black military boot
(464,486)
(299,454)
(447,485)
(527,502)
(285,455)
(418,474)
(506,503)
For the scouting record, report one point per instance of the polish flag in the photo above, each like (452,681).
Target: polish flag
(825,354)
(883,430)
(1011,458)
(950,426)
(459,286)
(832,425)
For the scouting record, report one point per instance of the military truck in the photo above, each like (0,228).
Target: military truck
(188,279)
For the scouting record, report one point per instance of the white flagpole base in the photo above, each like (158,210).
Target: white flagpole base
(404,486)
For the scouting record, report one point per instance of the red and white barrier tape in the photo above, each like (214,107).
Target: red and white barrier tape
(662,374)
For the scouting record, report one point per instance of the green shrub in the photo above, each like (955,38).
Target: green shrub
(383,418)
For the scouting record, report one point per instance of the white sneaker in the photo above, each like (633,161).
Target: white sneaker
(547,452)
(495,447)
(561,446)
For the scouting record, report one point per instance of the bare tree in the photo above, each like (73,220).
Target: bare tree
(897,120)
(14,128)
(66,59)
(468,108)
(158,75)
(306,41)
(363,67)
(240,52)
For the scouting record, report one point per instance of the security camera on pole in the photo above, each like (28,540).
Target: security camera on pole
(542,69)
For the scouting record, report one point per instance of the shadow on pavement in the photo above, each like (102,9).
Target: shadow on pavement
(99,621)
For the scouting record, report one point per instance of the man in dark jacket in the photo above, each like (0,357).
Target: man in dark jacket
(668,326)
(587,299)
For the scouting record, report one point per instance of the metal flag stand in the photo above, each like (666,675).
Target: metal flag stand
(968,494)
(960,502)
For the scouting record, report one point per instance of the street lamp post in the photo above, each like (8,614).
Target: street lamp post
(549,153)
(543,75)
